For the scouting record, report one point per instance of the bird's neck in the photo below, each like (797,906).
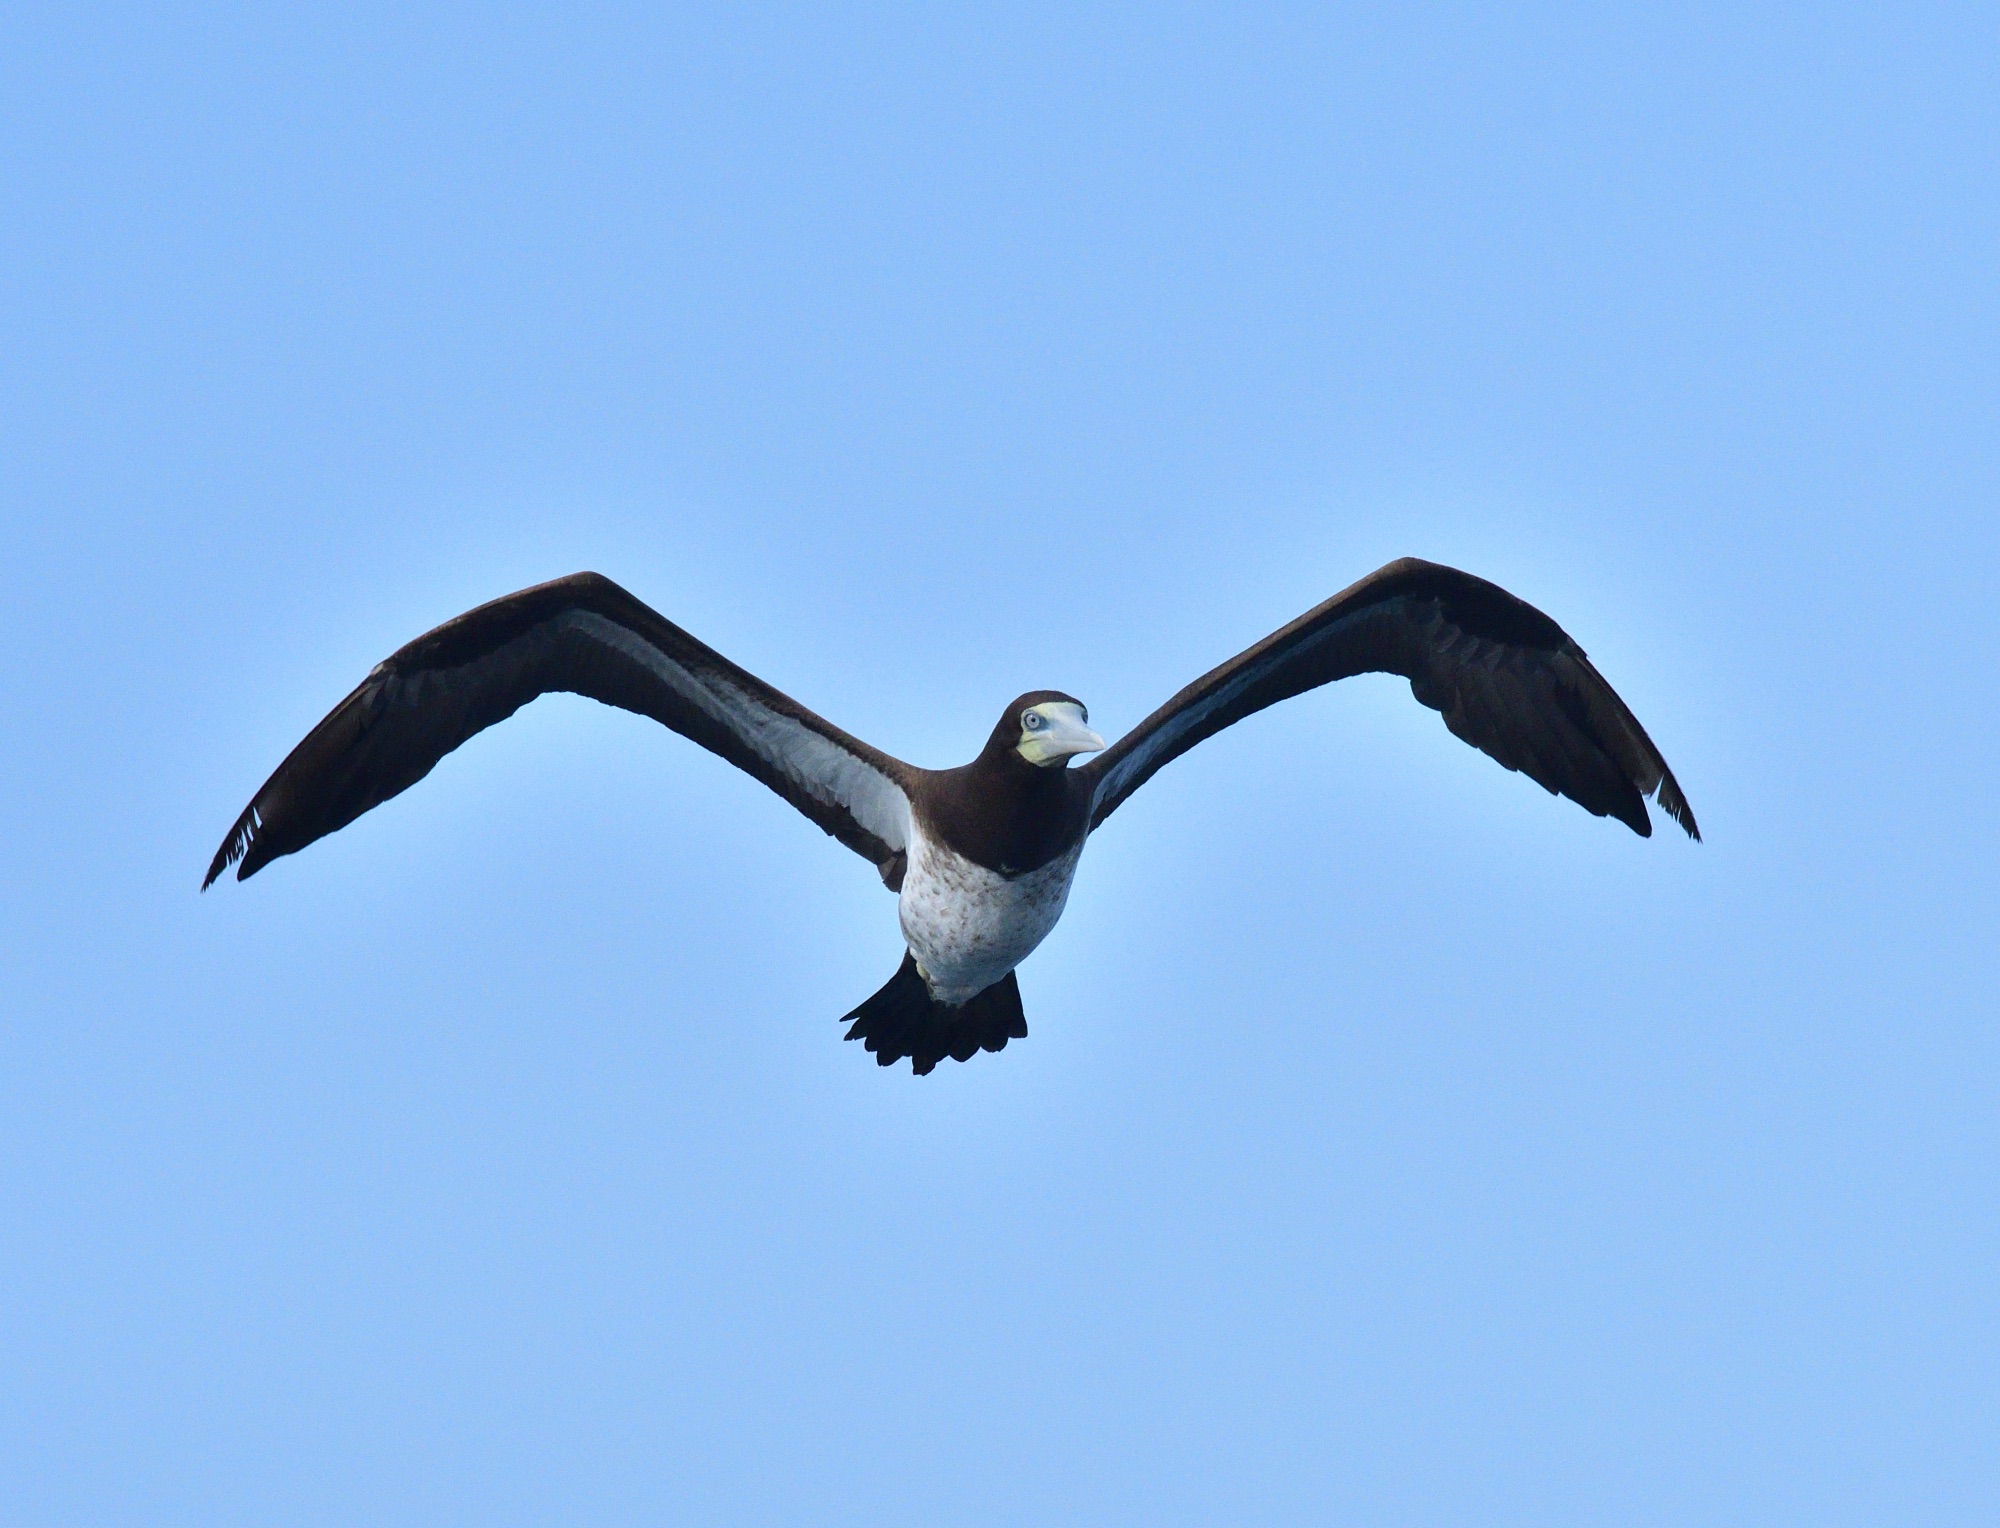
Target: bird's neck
(1005,813)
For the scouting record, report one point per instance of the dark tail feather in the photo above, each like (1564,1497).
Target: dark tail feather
(903,1019)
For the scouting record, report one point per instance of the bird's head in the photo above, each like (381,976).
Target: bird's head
(1046,727)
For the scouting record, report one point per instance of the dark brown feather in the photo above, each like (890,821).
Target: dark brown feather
(1000,811)
(581,634)
(904,1020)
(1506,679)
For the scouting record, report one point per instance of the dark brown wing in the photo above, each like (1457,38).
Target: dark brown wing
(1507,678)
(586,635)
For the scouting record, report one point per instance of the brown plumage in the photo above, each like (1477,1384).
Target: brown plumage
(980,855)
(585,635)
(1507,679)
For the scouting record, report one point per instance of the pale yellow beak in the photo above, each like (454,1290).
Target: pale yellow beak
(1055,730)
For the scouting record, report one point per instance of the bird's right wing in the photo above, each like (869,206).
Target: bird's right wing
(586,635)
(1507,678)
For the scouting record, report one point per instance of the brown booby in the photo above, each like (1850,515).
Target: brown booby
(981,856)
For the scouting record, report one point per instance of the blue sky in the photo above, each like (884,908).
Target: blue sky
(1392,1143)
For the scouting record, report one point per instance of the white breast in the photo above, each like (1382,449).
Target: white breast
(969,926)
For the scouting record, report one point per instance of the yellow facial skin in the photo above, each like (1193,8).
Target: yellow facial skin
(1054,731)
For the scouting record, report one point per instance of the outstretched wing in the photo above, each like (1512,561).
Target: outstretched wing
(1507,678)
(586,635)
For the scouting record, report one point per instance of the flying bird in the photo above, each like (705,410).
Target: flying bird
(981,857)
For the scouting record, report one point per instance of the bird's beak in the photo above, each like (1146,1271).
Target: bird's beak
(1064,736)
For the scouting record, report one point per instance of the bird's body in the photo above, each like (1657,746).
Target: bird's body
(993,848)
(968,925)
(982,856)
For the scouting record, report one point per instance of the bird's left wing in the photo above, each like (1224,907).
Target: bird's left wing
(586,635)
(1508,680)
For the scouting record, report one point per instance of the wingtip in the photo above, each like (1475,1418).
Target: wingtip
(1667,796)
(1685,818)
(235,847)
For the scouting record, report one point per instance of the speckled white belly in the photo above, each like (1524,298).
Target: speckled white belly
(969,926)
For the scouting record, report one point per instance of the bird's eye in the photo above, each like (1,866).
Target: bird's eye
(1033,721)
(1084,712)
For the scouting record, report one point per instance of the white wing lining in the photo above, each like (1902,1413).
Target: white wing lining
(817,763)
